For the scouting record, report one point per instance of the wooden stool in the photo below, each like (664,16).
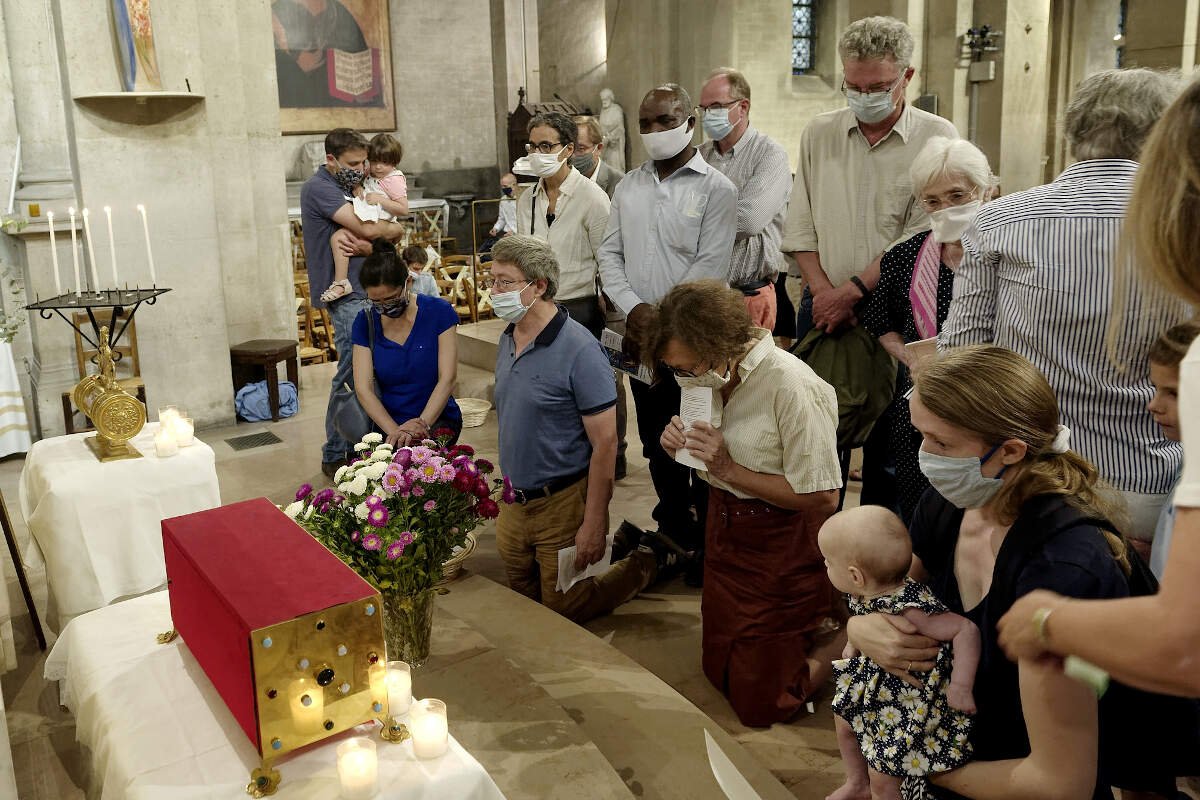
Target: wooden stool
(257,360)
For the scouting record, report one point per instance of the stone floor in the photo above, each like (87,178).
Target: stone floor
(660,629)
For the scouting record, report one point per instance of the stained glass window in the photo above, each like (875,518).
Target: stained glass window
(804,31)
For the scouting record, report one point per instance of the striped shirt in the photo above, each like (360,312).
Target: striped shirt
(781,420)
(1036,278)
(758,167)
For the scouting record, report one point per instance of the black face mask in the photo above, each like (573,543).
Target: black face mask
(394,309)
(347,179)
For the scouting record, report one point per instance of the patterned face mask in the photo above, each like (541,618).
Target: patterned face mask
(347,178)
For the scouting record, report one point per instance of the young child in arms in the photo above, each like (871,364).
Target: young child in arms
(887,729)
(383,195)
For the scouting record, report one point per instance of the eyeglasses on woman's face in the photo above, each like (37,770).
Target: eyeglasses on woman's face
(954,197)
(545,148)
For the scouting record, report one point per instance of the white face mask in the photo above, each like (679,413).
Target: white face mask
(662,145)
(710,379)
(508,305)
(948,224)
(545,164)
(872,107)
(960,479)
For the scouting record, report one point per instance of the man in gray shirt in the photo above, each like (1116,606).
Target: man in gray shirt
(673,220)
(758,167)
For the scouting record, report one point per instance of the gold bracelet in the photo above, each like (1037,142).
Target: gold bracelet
(1040,618)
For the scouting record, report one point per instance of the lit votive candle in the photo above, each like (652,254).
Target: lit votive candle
(185,431)
(358,768)
(164,442)
(399,687)
(167,415)
(429,728)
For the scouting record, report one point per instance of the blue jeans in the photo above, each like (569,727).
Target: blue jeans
(342,313)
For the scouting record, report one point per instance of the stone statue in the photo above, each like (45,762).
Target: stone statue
(612,122)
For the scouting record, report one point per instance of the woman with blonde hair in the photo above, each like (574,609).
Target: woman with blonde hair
(1012,509)
(1159,635)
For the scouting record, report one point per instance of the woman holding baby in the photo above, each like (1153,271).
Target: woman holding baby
(1013,510)
(770,458)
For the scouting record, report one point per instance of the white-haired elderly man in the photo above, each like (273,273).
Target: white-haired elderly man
(951,179)
(555,402)
(1037,277)
(852,198)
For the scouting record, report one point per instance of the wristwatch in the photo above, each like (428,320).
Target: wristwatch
(862,287)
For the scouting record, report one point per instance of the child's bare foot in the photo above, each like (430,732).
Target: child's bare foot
(960,699)
(337,289)
(851,791)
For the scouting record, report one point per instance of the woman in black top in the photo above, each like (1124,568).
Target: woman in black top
(950,179)
(1012,510)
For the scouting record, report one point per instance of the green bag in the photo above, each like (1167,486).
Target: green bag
(861,372)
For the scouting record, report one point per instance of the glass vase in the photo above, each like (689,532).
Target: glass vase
(407,624)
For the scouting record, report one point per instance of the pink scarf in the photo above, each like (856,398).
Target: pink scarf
(922,292)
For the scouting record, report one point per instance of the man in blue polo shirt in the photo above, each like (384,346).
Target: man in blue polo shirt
(556,403)
(325,206)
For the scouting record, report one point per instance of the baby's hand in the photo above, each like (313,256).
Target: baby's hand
(960,699)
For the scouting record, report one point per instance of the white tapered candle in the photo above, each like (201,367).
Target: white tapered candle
(54,254)
(112,248)
(149,253)
(74,250)
(87,237)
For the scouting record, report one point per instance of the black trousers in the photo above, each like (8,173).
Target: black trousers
(682,497)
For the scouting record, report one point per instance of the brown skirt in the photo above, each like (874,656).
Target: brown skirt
(766,598)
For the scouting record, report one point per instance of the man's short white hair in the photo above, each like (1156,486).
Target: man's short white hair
(1111,113)
(875,38)
(942,156)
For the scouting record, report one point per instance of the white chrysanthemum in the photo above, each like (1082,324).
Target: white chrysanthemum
(294,509)
(358,486)
(341,473)
(361,511)
(373,471)
(361,447)
(374,437)
(309,512)
(381,492)
(916,764)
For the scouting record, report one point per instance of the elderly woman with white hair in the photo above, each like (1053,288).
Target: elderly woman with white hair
(951,179)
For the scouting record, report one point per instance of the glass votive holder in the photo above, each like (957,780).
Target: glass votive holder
(358,769)
(399,687)
(429,726)
(167,415)
(185,431)
(165,445)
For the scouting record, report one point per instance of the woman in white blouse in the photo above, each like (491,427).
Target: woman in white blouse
(1158,635)
(770,458)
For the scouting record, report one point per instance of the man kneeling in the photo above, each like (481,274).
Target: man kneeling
(556,403)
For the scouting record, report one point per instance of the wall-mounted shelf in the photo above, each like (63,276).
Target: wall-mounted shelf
(139,108)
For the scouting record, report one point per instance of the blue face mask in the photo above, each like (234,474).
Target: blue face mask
(508,305)
(716,123)
(873,107)
(960,479)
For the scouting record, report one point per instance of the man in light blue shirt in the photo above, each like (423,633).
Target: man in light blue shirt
(673,220)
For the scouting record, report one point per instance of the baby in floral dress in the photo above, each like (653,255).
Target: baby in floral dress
(891,734)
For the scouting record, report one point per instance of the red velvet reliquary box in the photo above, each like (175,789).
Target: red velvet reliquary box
(291,637)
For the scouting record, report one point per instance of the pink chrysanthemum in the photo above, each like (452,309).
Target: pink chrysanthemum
(395,550)
(406,538)
(430,505)
(402,458)
(418,490)
(446,474)
(374,501)
(372,541)
(378,516)
(355,536)
(304,491)
(393,479)
(421,454)
(429,473)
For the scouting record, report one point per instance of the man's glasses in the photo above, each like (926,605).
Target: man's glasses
(545,148)
(876,89)
(502,285)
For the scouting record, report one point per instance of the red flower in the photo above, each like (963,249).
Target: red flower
(488,508)
(481,490)
(464,482)
(464,450)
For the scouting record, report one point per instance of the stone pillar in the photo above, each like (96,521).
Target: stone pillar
(1026,94)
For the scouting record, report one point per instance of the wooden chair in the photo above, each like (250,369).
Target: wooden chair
(128,366)
(309,353)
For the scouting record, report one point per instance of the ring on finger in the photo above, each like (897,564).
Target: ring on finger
(908,668)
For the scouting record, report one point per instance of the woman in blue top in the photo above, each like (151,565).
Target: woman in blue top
(414,361)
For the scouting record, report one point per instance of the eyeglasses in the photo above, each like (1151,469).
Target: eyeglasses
(685,373)
(954,198)
(545,148)
(502,285)
(874,89)
(731,103)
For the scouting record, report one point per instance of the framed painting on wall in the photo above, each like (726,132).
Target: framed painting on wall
(334,66)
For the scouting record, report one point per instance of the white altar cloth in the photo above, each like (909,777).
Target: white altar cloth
(156,727)
(96,525)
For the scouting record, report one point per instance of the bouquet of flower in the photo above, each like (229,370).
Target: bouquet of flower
(397,515)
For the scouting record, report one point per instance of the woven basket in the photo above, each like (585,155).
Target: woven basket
(474,411)
(452,565)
